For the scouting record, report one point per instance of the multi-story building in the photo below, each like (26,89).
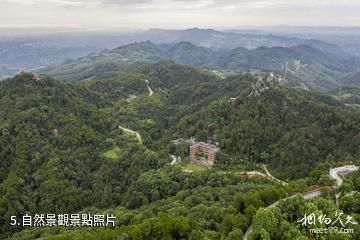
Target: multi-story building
(208,152)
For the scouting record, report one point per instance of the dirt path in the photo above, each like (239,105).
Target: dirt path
(151,92)
(138,136)
(272,177)
(254,173)
(174,160)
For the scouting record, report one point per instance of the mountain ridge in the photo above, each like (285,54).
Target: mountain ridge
(303,65)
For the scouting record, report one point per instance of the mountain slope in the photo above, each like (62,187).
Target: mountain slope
(281,127)
(187,53)
(55,145)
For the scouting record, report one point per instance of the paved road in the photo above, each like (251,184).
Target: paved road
(138,136)
(344,170)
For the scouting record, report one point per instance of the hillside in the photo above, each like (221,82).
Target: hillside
(258,129)
(347,95)
(61,150)
(350,79)
(281,128)
(187,53)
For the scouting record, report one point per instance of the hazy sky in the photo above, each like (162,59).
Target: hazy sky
(107,14)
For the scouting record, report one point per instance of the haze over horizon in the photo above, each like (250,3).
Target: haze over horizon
(175,14)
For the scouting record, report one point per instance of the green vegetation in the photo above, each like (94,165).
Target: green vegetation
(113,153)
(62,151)
(201,155)
(51,139)
(193,167)
(350,194)
(348,95)
(283,221)
(274,129)
(206,206)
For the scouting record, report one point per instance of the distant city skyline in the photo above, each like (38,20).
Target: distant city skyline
(176,14)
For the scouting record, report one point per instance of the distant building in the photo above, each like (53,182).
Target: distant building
(232,100)
(204,153)
(36,77)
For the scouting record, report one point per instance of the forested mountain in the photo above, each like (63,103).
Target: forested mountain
(281,128)
(31,50)
(54,149)
(302,66)
(187,53)
(258,129)
(62,149)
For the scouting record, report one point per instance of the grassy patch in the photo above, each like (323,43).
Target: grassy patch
(113,153)
(194,167)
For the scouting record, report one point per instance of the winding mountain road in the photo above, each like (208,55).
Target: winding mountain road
(334,173)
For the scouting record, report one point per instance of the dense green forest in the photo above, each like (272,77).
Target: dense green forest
(62,151)
(190,102)
(53,140)
(274,129)
(198,206)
